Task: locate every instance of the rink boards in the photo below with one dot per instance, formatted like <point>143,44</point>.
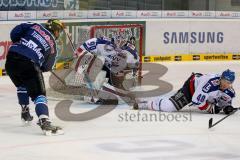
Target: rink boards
<point>163,39</point>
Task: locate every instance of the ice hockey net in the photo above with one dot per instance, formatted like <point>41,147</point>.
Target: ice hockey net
<point>126,30</point>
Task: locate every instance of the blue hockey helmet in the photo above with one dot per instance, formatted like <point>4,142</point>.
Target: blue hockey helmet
<point>228,75</point>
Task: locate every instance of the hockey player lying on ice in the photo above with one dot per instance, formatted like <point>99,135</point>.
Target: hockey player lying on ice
<point>103,58</point>
<point>208,92</point>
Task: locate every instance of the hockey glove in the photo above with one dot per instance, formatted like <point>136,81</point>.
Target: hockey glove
<point>43,69</point>
<point>228,109</point>
<point>214,109</point>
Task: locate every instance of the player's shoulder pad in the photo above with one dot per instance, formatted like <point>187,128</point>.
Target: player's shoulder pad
<point>103,40</point>
<point>211,85</point>
<point>129,46</point>
<point>90,44</point>
<point>28,24</point>
<point>230,92</point>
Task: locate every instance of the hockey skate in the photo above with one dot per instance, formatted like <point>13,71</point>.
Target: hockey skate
<point>135,106</point>
<point>142,105</point>
<point>48,129</point>
<point>25,115</point>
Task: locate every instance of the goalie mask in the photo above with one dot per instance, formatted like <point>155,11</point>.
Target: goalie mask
<point>119,41</point>
<point>110,46</point>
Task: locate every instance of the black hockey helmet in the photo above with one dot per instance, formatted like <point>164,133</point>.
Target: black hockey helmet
<point>54,25</point>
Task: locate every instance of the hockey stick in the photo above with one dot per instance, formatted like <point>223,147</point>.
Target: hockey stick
<point>70,40</point>
<point>62,81</point>
<point>210,122</point>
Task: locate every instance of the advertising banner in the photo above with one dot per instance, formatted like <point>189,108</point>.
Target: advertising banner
<point>21,15</point>
<point>192,57</point>
<point>99,14</point>
<point>49,14</point>
<point>124,14</point>
<point>149,14</point>
<point>69,12</point>
<point>75,14</point>
<point>5,42</point>
<point>174,14</point>
<point>163,40</point>
<point>185,36</point>
<point>202,14</point>
<point>227,14</point>
<point>3,16</point>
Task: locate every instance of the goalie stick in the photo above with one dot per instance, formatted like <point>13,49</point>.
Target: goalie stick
<point>89,82</point>
<point>210,122</point>
<point>62,81</point>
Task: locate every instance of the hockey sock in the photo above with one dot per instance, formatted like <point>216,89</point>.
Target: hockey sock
<point>23,98</point>
<point>41,106</point>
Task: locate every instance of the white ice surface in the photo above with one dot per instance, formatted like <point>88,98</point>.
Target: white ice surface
<point>109,138</point>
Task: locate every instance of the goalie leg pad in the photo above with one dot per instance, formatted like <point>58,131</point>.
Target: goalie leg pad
<point>86,65</point>
<point>94,70</point>
<point>100,80</point>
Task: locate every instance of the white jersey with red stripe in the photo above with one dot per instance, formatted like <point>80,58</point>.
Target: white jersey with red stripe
<point>207,91</point>
<point>100,47</point>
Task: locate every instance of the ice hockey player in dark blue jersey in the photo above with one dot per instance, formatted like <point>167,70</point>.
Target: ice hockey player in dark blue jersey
<point>32,52</point>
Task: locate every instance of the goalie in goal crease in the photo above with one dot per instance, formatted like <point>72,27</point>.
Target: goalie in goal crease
<point>103,64</point>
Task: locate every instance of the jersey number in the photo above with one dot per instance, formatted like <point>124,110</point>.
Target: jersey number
<point>91,45</point>
<point>201,98</point>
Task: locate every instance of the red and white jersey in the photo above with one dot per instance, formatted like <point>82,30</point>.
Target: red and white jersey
<point>99,47</point>
<point>207,90</point>
<point>104,47</point>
